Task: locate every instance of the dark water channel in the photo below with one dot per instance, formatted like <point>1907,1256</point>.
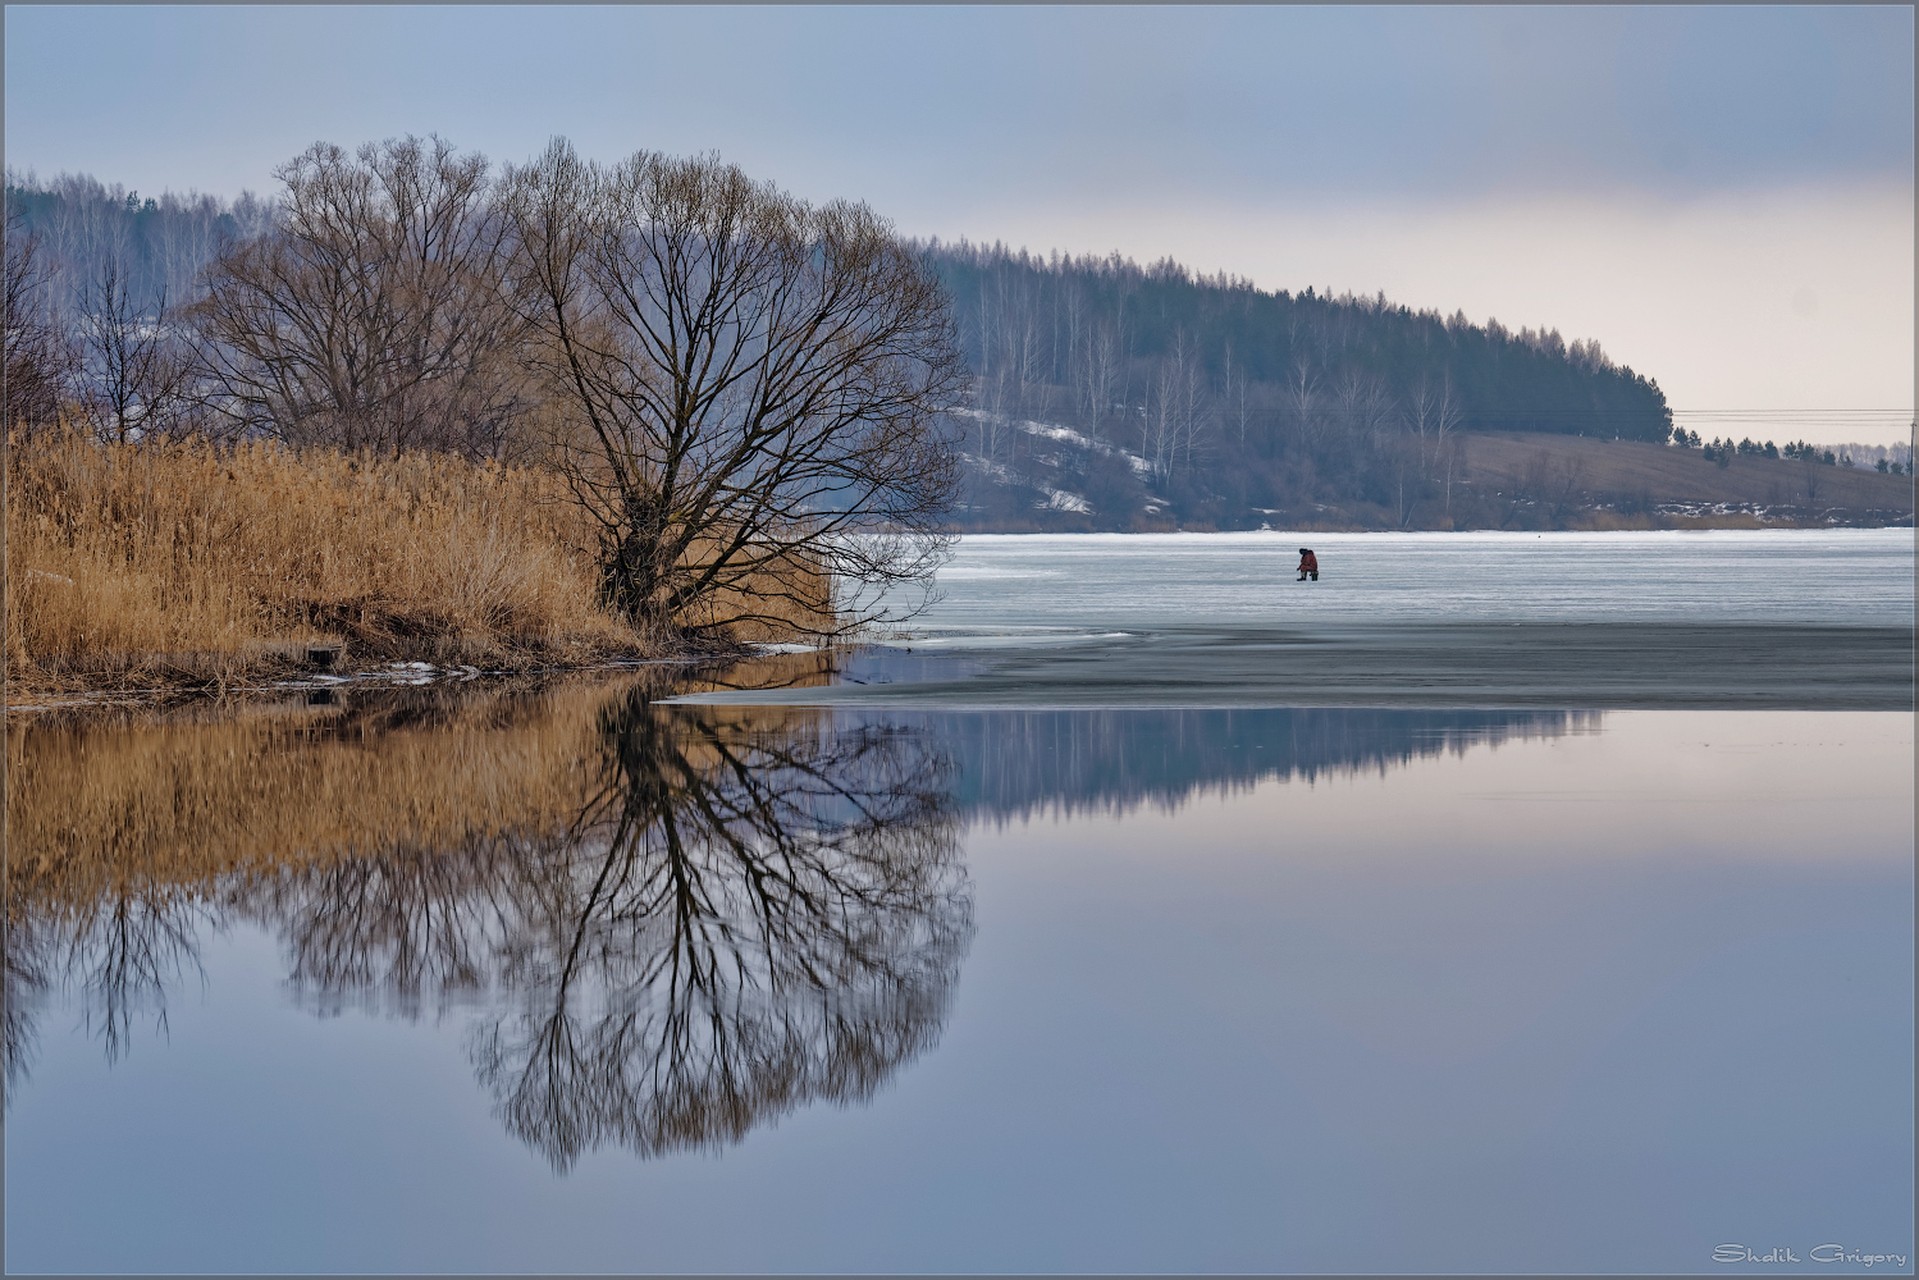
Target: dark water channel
<point>571,978</point>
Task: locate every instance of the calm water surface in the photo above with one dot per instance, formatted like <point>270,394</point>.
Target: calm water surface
<point>583,977</point>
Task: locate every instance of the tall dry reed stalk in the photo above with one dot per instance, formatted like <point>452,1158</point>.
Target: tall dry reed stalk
<point>790,595</point>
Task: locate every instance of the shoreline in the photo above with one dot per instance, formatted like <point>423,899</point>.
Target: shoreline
<point>279,679</point>
<point>1546,664</point>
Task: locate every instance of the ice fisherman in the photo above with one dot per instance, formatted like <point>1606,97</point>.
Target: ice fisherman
<point>1308,565</point>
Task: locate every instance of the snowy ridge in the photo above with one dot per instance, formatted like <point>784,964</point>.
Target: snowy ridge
<point>1064,435</point>
<point>1053,474</point>
<point>1056,499</point>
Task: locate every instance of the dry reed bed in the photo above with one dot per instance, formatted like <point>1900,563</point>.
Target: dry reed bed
<point>135,565</point>
<point>143,566</point>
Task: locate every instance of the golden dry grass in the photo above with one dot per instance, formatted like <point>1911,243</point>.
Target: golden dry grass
<point>788,597</point>
<point>129,562</point>
<point>130,566</point>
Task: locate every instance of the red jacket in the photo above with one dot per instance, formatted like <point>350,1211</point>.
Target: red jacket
<point>1309,563</point>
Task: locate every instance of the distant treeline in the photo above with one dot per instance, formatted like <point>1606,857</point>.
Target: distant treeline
<point>1885,459</point>
<point>1231,396</point>
<point>159,245</point>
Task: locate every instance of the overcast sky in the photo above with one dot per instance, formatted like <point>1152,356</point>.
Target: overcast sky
<point>1723,196</point>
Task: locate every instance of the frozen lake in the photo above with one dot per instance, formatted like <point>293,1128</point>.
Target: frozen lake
<point>1766,619</point>
<point>1009,584</point>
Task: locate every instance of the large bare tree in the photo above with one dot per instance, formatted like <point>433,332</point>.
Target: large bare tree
<point>748,388</point>
<point>369,313</point>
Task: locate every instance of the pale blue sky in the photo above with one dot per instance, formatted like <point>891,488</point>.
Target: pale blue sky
<point>1722,195</point>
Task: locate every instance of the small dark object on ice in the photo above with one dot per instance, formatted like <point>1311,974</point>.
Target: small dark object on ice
<point>1308,565</point>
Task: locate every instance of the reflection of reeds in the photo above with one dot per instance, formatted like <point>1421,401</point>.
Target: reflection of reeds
<point>98,805</point>
<point>96,808</point>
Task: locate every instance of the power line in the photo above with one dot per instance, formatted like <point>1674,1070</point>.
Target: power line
<point>1753,413</point>
<point>1902,415</point>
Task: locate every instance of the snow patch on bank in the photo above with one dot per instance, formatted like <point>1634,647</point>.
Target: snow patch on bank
<point>1061,435</point>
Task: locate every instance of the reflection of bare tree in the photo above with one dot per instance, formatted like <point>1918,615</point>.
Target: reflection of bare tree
<point>742,917</point>
<point>24,970</point>
<point>393,930</point>
<point>126,952</point>
<point>122,951</point>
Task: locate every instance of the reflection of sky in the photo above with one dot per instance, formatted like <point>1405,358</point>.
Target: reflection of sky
<point>1588,1003</point>
<point>1584,1003</point>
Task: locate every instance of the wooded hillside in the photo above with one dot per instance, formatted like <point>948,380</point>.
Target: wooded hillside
<point>1208,401</point>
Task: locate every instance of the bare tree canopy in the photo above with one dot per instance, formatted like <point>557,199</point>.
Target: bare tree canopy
<point>38,357</point>
<point>138,377</point>
<point>747,388</point>
<point>369,315</point>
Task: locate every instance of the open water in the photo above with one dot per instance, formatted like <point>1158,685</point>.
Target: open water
<point>1140,910</point>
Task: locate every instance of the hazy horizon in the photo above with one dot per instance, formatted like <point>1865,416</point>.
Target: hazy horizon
<point>1722,197</point>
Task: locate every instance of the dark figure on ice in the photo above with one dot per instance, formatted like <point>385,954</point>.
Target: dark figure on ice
<point>1308,565</point>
